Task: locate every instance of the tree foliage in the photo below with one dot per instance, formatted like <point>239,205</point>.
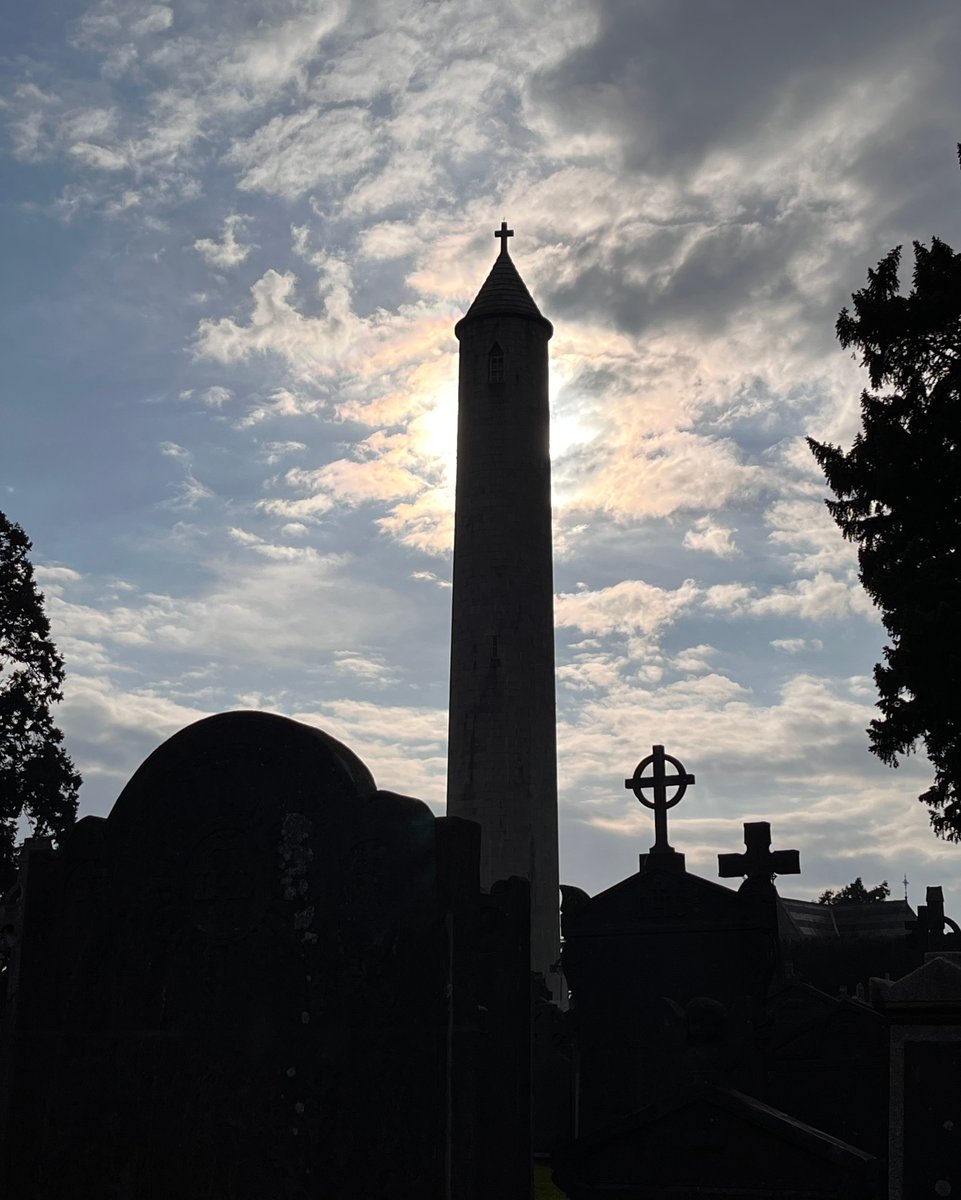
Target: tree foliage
<point>856,893</point>
<point>37,779</point>
<point>898,495</point>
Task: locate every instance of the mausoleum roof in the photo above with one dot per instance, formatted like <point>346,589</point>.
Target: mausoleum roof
<point>806,918</point>
<point>504,294</point>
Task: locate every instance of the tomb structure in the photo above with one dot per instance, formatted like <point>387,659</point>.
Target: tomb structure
<point>701,1067</point>
<point>262,976</point>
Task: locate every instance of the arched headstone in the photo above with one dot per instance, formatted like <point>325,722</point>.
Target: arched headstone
<point>236,985</point>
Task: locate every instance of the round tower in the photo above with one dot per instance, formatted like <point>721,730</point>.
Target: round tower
<point>502,756</point>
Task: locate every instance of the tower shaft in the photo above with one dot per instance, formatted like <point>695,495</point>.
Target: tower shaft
<point>502,764</point>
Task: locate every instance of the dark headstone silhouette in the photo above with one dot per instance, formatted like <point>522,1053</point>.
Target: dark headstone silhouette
<point>240,985</point>
<point>263,976</point>
<point>924,1011</point>
<point>826,1063</point>
<point>552,1073</point>
<point>714,1143</point>
<point>648,948</point>
<point>699,1064</point>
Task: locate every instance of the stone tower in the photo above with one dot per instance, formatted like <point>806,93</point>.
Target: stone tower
<point>502,758</point>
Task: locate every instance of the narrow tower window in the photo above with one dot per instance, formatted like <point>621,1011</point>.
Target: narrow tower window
<point>495,365</point>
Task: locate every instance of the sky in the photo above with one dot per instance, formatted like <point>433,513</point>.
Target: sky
<point>236,238</point>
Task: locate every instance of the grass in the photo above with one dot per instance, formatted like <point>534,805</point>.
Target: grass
<point>544,1189</point>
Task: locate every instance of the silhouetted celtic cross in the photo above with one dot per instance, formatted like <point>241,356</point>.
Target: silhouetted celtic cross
<point>659,782</point>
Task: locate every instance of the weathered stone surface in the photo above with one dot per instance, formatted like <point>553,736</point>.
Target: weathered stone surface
<point>502,759</point>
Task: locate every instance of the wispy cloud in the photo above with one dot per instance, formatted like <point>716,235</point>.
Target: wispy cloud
<point>228,252</point>
<point>278,212</point>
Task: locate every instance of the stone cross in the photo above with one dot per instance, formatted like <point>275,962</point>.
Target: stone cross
<point>659,782</point>
<point>758,862</point>
<point>503,233</point>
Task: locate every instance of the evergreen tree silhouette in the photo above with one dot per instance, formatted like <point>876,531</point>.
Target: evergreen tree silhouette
<point>37,779</point>
<point>898,495</point>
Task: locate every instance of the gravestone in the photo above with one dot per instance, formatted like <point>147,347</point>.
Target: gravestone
<point>502,1096</point>
<point>713,1144</point>
<point>826,1063</point>
<point>924,1011</point>
<point>658,953</point>
<point>239,985</point>
<point>678,1037</point>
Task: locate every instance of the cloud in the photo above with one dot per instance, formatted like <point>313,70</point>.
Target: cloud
<point>228,252</point>
<point>289,155</point>
<point>798,760</point>
<point>357,482</point>
<point>368,670</point>
<point>216,396</point>
<point>307,509</point>
<point>389,240</point>
<point>425,523</point>
<point>728,597</point>
<point>431,577</point>
<point>631,606</point>
<point>385,468</point>
<point>696,190</point>
<point>389,371</point>
<point>282,402</point>
<point>30,118</point>
<point>695,660</point>
<point>823,597</point>
<point>633,476</point>
<point>52,575</point>
<point>635,77</point>
<point>274,452</point>
<point>705,535</point>
<point>814,543</point>
<point>111,728</point>
<point>274,56</point>
<point>323,347</point>
<point>156,19</point>
<point>189,493</point>
<point>103,158</point>
<point>250,610</point>
<point>796,645</point>
<point>405,746</point>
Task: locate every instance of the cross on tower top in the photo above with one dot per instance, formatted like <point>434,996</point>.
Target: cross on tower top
<point>659,782</point>
<point>758,862</point>
<point>503,233</point>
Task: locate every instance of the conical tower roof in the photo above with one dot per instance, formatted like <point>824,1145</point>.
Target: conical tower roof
<point>504,293</point>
